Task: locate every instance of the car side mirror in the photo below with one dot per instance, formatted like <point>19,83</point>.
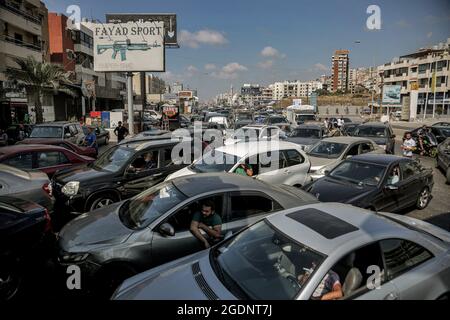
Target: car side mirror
<point>391,187</point>
<point>166,229</point>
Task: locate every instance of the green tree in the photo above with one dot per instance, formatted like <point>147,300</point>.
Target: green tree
<point>38,78</point>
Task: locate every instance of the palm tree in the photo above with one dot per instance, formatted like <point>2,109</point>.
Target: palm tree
<point>37,78</point>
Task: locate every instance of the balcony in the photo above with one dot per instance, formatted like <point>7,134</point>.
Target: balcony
<point>20,49</point>
<point>20,19</point>
<point>83,49</point>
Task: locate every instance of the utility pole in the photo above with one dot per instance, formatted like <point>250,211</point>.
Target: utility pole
<point>130,103</point>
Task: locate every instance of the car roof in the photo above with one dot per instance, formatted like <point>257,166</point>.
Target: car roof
<point>375,124</point>
<point>201,183</point>
<point>381,159</point>
<point>326,227</point>
<point>346,139</point>
<point>55,124</point>
<point>310,126</point>
<point>252,147</point>
<point>139,145</point>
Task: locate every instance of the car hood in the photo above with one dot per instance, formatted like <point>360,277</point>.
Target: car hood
<point>331,190</point>
<point>174,281</point>
<point>302,141</point>
<point>96,228</point>
<point>80,173</point>
<point>317,163</point>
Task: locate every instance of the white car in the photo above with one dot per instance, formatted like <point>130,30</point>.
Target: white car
<point>255,133</point>
<point>153,114</point>
<point>288,163</point>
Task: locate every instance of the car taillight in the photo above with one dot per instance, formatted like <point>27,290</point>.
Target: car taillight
<point>48,219</point>
<point>48,188</point>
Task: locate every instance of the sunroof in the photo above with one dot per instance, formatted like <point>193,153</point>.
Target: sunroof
<point>323,223</point>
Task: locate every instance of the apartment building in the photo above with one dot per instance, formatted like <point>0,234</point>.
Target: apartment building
<point>340,70</point>
<point>154,86</point>
<point>73,49</point>
<point>294,89</point>
<point>362,79</point>
<point>23,33</point>
<point>416,70</point>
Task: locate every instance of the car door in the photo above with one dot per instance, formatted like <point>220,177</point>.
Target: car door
<point>51,161</point>
<point>272,168</point>
<point>183,242</point>
<point>411,268</point>
<point>296,167</point>
<point>247,207</point>
<point>410,185</point>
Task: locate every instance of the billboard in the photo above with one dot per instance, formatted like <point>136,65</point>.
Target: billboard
<point>129,47</point>
<point>185,94</point>
<point>391,94</point>
<point>170,24</point>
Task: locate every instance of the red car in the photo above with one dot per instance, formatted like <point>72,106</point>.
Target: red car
<point>84,151</point>
<point>46,158</point>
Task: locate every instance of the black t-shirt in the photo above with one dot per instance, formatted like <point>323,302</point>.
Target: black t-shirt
<point>121,131</point>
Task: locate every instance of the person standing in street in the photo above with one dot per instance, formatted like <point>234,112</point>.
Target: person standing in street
<point>120,131</point>
<point>91,139</point>
<point>326,123</point>
<point>408,146</point>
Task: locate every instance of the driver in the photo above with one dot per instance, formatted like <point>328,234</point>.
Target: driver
<point>329,288</point>
<point>208,221</point>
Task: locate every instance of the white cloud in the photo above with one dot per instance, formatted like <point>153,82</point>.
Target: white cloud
<point>429,35</point>
<point>207,37</point>
<point>270,52</point>
<point>266,64</point>
<point>321,67</point>
<point>403,24</point>
<point>230,71</point>
<point>192,69</point>
<point>210,66</point>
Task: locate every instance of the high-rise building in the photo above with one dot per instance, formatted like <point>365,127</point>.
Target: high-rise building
<point>294,89</point>
<point>22,34</point>
<point>340,70</point>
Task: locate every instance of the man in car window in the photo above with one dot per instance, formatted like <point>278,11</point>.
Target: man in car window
<point>150,162</point>
<point>208,221</point>
<point>394,177</point>
<point>244,170</point>
<point>329,288</point>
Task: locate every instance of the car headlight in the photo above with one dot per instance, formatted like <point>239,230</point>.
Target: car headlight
<point>71,188</point>
<point>74,257</point>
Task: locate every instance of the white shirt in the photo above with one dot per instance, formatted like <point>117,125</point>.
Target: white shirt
<point>410,143</point>
<point>340,122</point>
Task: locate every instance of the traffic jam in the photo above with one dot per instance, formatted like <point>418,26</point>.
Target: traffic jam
<point>261,210</point>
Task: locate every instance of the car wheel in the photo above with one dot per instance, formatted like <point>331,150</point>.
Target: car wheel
<point>424,199</point>
<point>102,201</point>
<point>10,282</point>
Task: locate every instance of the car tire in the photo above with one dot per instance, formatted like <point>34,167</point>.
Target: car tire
<point>101,201</point>
<point>11,282</point>
<point>423,199</point>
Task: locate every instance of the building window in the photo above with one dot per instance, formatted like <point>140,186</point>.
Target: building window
<point>423,68</point>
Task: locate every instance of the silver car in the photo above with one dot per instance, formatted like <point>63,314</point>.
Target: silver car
<point>32,185</point>
<point>287,256</point>
<point>329,152</point>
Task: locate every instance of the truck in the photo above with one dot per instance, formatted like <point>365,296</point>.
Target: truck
<point>299,114</point>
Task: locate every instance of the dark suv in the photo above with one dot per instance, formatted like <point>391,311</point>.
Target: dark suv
<point>64,130</point>
<point>381,133</point>
<point>119,173</point>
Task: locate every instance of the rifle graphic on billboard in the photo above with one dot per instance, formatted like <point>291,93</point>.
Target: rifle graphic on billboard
<point>123,47</point>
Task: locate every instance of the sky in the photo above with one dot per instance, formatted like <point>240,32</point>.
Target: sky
<point>232,42</point>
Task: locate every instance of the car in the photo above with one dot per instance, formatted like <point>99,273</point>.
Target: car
<point>32,185</point>
<point>71,131</point>
<point>25,234</point>
<point>114,176</point>
<point>286,256</point>
<point>101,134</point>
<point>441,124</point>
<point>80,150</point>
<point>307,135</point>
<point>255,132</point>
<point>279,121</point>
<point>329,152</point>
<point>242,123</point>
<point>443,158</point>
<point>152,228</point>
<point>440,132</point>
<point>381,133</point>
<point>46,158</point>
<point>368,181</point>
<point>275,162</point>
<point>152,114</point>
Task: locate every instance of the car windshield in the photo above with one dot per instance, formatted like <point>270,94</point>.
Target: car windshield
<point>140,211</point>
<point>261,263</point>
<point>114,159</point>
<point>306,133</point>
<point>274,120</point>
<point>215,161</point>
<point>304,118</point>
<point>359,172</point>
<point>326,149</point>
<point>244,116</point>
<point>46,132</point>
<point>371,132</point>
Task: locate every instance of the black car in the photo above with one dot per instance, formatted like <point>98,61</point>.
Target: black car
<point>377,182</point>
<point>25,229</point>
<point>101,134</point>
<point>350,128</point>
<point>121,172</point>
<point>440,132</point>
<point>443,158</point>
<point>381,133</point>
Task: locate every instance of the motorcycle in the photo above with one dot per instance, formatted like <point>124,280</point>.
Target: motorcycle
<point>429,145</point>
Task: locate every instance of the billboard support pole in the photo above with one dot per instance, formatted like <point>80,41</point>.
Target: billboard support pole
<point>130,103</point>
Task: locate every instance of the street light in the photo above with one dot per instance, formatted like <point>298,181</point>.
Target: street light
<point>371,79</point>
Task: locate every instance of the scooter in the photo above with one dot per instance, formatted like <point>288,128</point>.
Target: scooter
<point>429,143</point>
